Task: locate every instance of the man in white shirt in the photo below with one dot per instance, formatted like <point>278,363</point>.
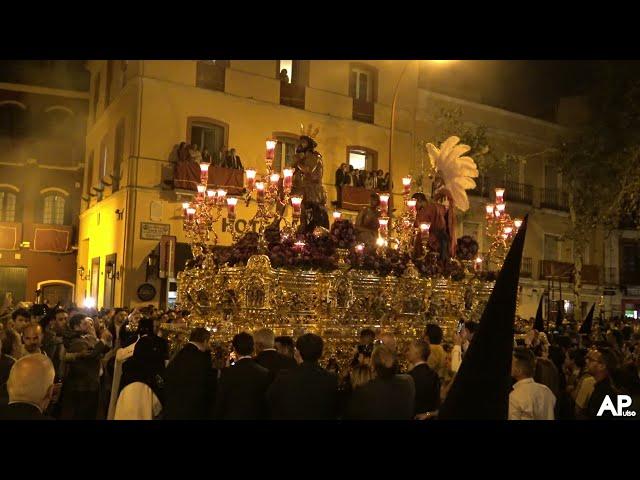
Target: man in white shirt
<point>528,400</point>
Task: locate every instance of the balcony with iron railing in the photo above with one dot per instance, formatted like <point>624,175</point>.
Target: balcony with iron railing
<point>292,95</point>
<point>554,199</point>
<point>483,187</point>
<point>518,192</point>
<point>552,269</point>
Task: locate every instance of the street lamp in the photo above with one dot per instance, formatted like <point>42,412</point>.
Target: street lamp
<point>394,104</point>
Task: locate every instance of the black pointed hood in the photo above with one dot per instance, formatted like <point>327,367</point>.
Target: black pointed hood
<point>560,315</point>
<point>539,323</point>
<point>586,326</point>
<point>481,388</point>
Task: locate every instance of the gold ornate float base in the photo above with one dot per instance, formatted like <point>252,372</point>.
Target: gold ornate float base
<point>336,304</point>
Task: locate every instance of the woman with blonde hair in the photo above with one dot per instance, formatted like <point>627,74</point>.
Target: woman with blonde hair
<point>360,375</point>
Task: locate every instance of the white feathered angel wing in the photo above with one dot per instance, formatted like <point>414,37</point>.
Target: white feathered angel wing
<point>457,171</point>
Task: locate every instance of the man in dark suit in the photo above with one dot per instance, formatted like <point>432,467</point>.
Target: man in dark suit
<point>30,387</point>
<point>307,392</point>
<point>81,388</point>
<point>426,381</point>
<point>190,380</point>
<point>267,356</point>
<point>388,396</point>
<point>242,385</point>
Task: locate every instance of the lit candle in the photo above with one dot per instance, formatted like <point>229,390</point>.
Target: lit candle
<point>360,248</point>
<point>201,189</point>
<point>271,149</point>
<point>406,184</point>
<point>478,264</point>
<point>231,207</point>
<point>260,190</point>
<point>299,245</point>
<point>384,203</point>
<point>222,194</point>
<point>517,222</point>
<point>499,194</point>
<point>381,242</point>
<point>489,208</point>
<point>275,178</point>
<point>296,203</point>
<point>337,215</point>
<point>505,236</point>
<point>288,179</point>
<point>204,172</point>
<point>211,194</point>
<point>501,206</point>
<point>411,204</point>
<point>251,179</point>
<point>191,213</point>
<point>508,230</point>
<point>185,206</point>
<point>424,229</point>
<point>383,223</point>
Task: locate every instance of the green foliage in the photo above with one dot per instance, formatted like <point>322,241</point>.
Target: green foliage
<point>601,163</point>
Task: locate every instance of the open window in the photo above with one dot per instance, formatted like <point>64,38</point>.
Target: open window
<point>362,158</point>
<point>363,88</point>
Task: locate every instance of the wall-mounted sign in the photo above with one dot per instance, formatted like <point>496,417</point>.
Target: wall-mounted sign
<point>153,231</point>
<point>146,292</point>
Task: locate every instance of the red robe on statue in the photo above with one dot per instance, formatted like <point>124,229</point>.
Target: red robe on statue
<point>442,220</point>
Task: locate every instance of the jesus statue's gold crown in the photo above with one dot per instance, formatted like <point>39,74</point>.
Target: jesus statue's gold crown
<point>308,133</point>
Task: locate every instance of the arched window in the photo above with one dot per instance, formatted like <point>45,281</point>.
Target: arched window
<point>59,123</point>
<point>13,120</point>
<point>54,203</point>
<point>7,206</point>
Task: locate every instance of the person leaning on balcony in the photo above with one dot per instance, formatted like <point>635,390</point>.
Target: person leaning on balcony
<point>233,160</point>
<point>284,76</point>
<point>194,154</point>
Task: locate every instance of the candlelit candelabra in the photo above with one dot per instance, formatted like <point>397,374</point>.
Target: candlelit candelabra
<point>500,228</point>
<point>401,233</point>
<point>271,203</point>
<point>201,214</point>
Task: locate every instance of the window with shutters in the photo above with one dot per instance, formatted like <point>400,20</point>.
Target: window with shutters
<point>118,153</point>
<point>630,262</point>
<point>7,206</point>
<point>102,168</point>
<point>96,96</point>
<point>54,209</point>
<point>89,174</point>
<point>363,86</point>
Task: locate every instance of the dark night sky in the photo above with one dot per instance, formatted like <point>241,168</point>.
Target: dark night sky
<point>530,87</point>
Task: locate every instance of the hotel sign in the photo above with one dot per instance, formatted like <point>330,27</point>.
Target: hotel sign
<point>153,231</point>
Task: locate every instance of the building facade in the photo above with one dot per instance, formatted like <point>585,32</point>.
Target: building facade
<point>140,111</point>
<point>43,110</point>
